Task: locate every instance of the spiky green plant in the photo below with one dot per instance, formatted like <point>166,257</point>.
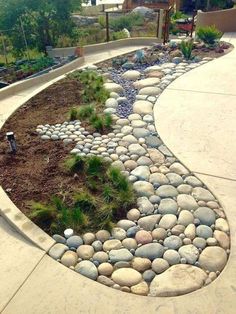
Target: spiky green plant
<point>85,112</point>
<point>186,47</point>
<point>73,114</point>
<point>94,166</point>
<point>108,120</point>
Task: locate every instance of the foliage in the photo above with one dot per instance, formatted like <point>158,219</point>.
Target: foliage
<point>85,112</point>
<point>118,35</point>
<point>178,15</point>
<point>93,89</point>
<point>102,20</point>
<point>56,215</point>
<point>43,21</point>
<point>37,65</point>
<point>106,197</point>
<point>209,34</point>
<point>101,122</point>
<point>128,21</point>
<point>186,49</point>
<point>73,114</point>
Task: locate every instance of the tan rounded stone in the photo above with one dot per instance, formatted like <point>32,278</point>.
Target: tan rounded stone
<point>177,280</point>
<point>159,234</point>
<point>222,239</point>
<point>143,237</point>
<point>85,251</point>
<point>129,243</point>
<point>126,277</point>
<point>133,214</point>
<point>140,289</point>
<point>88,238</point>
<point>113,244</point>
<point>69,258</point>
<point>105,269</point>
<point>213,258</point>
<point>102,235</point>
<point>141,264</point>
<point>222,225</point>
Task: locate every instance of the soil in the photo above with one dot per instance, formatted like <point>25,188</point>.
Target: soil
<point>35,172</point>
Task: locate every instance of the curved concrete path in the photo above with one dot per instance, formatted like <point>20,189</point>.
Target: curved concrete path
<point>32,282</point>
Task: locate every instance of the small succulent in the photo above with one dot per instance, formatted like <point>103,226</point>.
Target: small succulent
<point>139,56</point>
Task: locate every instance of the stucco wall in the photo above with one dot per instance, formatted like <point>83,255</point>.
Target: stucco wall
<point>224,20</point>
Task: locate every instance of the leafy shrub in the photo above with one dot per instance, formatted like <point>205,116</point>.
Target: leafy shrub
<point>186,49</point>
<point>209,34</point>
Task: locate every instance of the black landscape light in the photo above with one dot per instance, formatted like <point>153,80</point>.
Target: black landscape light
<point>12,142</point>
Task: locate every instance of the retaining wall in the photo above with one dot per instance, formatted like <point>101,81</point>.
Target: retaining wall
<point>89,49</point>
<point>44,78</point>
<point>224,20</point>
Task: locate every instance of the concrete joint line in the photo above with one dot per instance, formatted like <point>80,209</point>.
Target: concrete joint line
<point>199,92</point>
<point>24,281</point>
<point>214,176</point>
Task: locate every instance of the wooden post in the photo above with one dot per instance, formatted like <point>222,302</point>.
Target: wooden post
<point>4,48</point>
<point>160,24</point>
<point>192,27</point>
<point>107,27</point>
<point>167,26</point>
<point>25,40</point>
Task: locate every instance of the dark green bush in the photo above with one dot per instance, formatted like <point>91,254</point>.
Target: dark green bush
<point>209,34</point>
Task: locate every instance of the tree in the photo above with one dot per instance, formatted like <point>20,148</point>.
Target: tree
<point>43,21</point>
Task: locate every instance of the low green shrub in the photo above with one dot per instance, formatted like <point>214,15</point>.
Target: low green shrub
<point>104,196</point>
<point>186,47</point>
<point>208,34</point>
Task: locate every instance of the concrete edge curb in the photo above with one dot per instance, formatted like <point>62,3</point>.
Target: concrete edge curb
<point>22,224</point>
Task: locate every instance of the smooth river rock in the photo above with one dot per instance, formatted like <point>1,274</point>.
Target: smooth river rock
<point>177,280</point>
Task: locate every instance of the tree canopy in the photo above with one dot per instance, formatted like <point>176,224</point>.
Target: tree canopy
<point>43,21</point>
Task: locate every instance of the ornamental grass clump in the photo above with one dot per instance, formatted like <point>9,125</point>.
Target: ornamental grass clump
<point>92,86</point>
<point>209,34</point>
<point>103,197</point>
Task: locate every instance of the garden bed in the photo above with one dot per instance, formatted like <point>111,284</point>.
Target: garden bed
<point>175,229</point>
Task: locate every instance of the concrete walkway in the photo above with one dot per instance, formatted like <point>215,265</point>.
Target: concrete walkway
<point>192,123</point>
